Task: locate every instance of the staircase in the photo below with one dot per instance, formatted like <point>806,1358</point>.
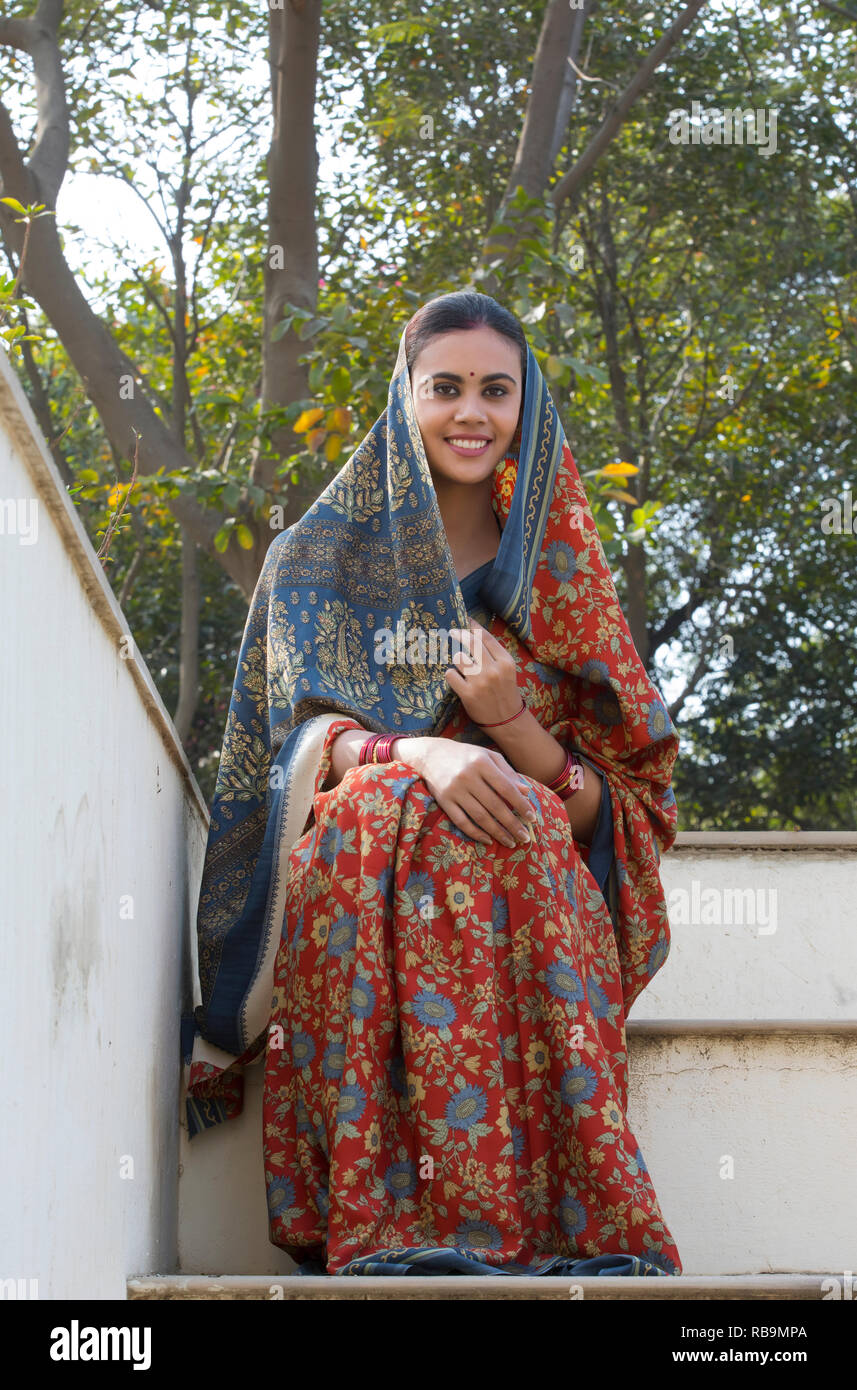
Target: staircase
<point>743,1079</point>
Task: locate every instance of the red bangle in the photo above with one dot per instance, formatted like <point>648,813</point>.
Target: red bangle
<point>498,722</point>
<point>377,748</point>
<point>571,779</point>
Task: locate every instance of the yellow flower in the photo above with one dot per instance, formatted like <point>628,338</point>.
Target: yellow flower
<point>320,928</point>
<point>416,1090</point>
<point>537,1056</point>
<point>349,1178</point>
<point>373,1137</point>
<point>618,1217</point>
<point>595,1156</point>
<point>458,896</point>
<point>612,1115</point>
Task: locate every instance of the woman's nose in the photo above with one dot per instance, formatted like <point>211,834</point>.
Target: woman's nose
<point>470,408</point>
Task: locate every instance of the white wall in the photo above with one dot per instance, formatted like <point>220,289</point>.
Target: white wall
<point>101,820</point>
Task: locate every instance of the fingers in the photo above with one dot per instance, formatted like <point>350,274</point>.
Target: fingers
<point>473,645</point>
<point>505,783</point>
<point>460,818</point>
<point>490,812</point>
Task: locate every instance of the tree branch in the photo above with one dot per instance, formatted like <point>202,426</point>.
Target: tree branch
<point>604,137</point>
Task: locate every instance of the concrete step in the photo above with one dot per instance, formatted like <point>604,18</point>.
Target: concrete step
<point>446,1287</point>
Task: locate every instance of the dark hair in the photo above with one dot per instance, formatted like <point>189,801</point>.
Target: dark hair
<point>462,309</point>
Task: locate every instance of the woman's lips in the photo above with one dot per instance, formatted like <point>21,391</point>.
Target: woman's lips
<point>469,453</point>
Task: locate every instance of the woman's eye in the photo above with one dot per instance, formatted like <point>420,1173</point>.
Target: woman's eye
<point>443,386</point>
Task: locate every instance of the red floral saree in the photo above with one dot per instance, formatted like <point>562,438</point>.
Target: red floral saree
<point>444,1028</point>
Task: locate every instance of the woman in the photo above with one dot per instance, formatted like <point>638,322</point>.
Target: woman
<point>445,1054</point>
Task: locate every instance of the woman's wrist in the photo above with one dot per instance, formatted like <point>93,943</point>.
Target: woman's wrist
<point>344,753</point>
<point>533,751</point>
<point>410,750</point>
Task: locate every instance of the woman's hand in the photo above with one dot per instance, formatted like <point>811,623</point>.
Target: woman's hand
<point>484,676</point>
<point>476,787</point>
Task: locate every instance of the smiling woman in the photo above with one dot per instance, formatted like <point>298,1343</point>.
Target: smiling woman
<point>450,967</point>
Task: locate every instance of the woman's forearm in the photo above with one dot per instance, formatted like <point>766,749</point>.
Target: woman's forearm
<point>344,753</point>
<point>528,747</point>
<point>537,754</point>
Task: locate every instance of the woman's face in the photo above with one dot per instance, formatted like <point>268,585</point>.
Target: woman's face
<point>466,386</point>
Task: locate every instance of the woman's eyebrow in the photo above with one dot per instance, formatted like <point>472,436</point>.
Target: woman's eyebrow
<point>492,376</point>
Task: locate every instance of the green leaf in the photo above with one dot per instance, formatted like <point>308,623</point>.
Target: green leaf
<point>245,536</point>
<point>340,385</point>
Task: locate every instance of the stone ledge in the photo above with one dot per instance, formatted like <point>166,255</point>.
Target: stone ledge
<point>732,1027</point>
<point>482,1287</point>
<point>764,839</point>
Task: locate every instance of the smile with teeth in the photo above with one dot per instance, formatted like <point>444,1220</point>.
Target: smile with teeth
<point>472,446</point>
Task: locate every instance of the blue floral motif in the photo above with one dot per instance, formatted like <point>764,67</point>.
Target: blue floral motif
<point>434,1010</point>
<point>331,844</point>
<point>298,932</point>
<point>352,1103</point>
<point>303,1049</point>
<point>639,1160</point>
<point>305,853</point>
<point>466,1108</point>
<point>595,671</point>
<point>322,1202</point>
<point>333,1061</point>
<point>304,1124</point>
<point>563,981</point>
<point>570,890</point>
<point>517,1141</point>
<point>664,1261</point>
<point>420,886</point>
<point>561,560</point>
<point>386,880</point>
<point>668,798</point>
<point>607,710</point>
<point>572,1216</point>
<point>658,722</point>
<point>548,675</point>
<point>658,955</point>
<point>342,935</point>
<point>499,913</point>
<point>578,1084</point>
<point>281,1196</point>
<point>362,998</point>
<point>398,1075</point>
<point>400,1180</point>
<point>480,1234</point>
<point>598,1001</point>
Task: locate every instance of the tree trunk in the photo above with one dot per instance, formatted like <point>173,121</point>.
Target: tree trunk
<point>189,649</point>
<point>291,261</point>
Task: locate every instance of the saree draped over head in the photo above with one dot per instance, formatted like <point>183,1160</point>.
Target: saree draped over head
<point>442,1022</point>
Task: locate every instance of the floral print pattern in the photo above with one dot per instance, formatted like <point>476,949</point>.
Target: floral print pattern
<point>456,1074</point>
